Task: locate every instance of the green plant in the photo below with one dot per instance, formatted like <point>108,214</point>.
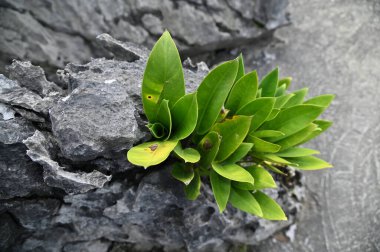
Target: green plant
<point>232,130</point>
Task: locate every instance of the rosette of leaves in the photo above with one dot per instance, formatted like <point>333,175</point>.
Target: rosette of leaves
<point>232,130</point>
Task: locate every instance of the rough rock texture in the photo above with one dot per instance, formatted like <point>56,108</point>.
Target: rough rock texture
<point>52,33</point>
<point>65,185</point>
<point>334,47</point>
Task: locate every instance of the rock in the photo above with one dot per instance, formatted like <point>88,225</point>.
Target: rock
<point>42,149</point>
<point>53,33</point>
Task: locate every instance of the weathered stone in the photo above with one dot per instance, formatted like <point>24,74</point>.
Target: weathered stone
<point>42,149</point>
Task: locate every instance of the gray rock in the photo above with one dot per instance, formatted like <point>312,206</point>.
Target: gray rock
<point>42,150</point>
<point>6,112</point>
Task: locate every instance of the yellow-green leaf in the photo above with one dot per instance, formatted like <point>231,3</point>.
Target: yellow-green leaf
<point>297,152</point>
<point>270,209</point>
<point>267,133</point>
<point>309,163</point>
<point>233,172</point>
<point>208,148</point>
<point>183,173</point>
<point>184,116</point>
<point>259,109</point>
<point>260,145</point>
<point>263,179</point>
<point>323,125</point>
<point>239,153</point>
<point>322,100</point>
<point>245,201</point>
<point>298,97</point>
<point>157,130</point>
<point>285,81</point>
<point>164,117</point>
<point>282,100</point>
<point>150,153</point>
<point>221,188</point>
<point>233,131</point>
<point>192,190</point>
<point>269,83</point>
<point>213,92</point>
<point>243,92</point>
<point>163,76</point>
<point>189,155</point>
<point>297,138</point>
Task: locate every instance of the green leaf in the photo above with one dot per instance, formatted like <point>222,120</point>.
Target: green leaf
<point>233,172</point>
<point>271,158</point>
<point>297,152</point>
<point>285,81</point>
<point>157,130</point>
<point>323,125</point>
<point>213,92</point>
<point>150,153</point>
<point>243,92</point>
<point>309,163</point>
<point>209,147</point>
<point>233,131</point>
<point>274,169</point>
<point>263,179</point>
<point>163,76</point>
<point>322,100</point>
<point>273,114</point>
<point>164,117</point>
<point>241,71</point>
<point>245,201</point>
<point>282,100</point>
<point>293,119</point>
<point>271,210</point>
<point>239,153</point>
<point>269,83</point>
<point>192,190</point>
<point>298,97</point>
<point>183,173</point>
<point>259,109</point>
<point>267,133</point>
<point>222,115</point>
<point>281,90</point>
<point>260,145</point>
<point>184,116</point>
<point>296,138</point>
<point>189,155</point>
<point>221,188</point>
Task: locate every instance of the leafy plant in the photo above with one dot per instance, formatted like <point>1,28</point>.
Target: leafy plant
<point>232,130</point>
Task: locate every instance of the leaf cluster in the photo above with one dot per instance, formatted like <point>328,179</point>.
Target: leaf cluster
<point>233,129</point>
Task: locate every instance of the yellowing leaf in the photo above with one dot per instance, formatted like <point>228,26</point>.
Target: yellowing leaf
<point>163,76</point>
<point>213,92</point>
<point>150,153</point>
<point>233,172</point>
<point>221,188</point>
<point>270,209</point>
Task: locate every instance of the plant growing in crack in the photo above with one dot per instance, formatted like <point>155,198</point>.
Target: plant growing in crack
<point>233,129</point>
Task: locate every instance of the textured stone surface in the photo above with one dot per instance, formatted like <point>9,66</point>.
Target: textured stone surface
<point>334,47</point>
<point>52,33</point>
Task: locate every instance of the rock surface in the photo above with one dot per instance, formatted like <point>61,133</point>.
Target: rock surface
<point>53,33</point>
<point>65,183</point>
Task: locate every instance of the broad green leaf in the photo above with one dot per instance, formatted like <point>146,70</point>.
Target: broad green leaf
<point>296,138</point>
<point>157,130</point>
<point>208,148</point>
<point>297,152</point>
<point>259,109</point>
<point>271,158</point>
<point>241,71</point>
<point>233,131</point>
<point>150,153</point>
<point>184,116</point>
<point>239,153</point>
<point>282,100</point>
<point>309,163</point>
<point>293,119</point>
<point>269,83</point>
<point>213,92</point>
<point>298,98</point>
<point>271,210</point>
<point>323,125</point>
<point>267,133</point>
<point>221,188</point>
<point>164,117</point>
<point>260,145</point>
<point>245,201</point>
<point>233,172</point>
<point>163,76</point>
<point>281,90</point>
<point>322,100</point>
<point>243,92</point>
<point>263,179</point>
<point>189,155</point>
<point>287,81</point>
<point>273,114</point>
<point>192,190</point>
<point>183,173</point>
